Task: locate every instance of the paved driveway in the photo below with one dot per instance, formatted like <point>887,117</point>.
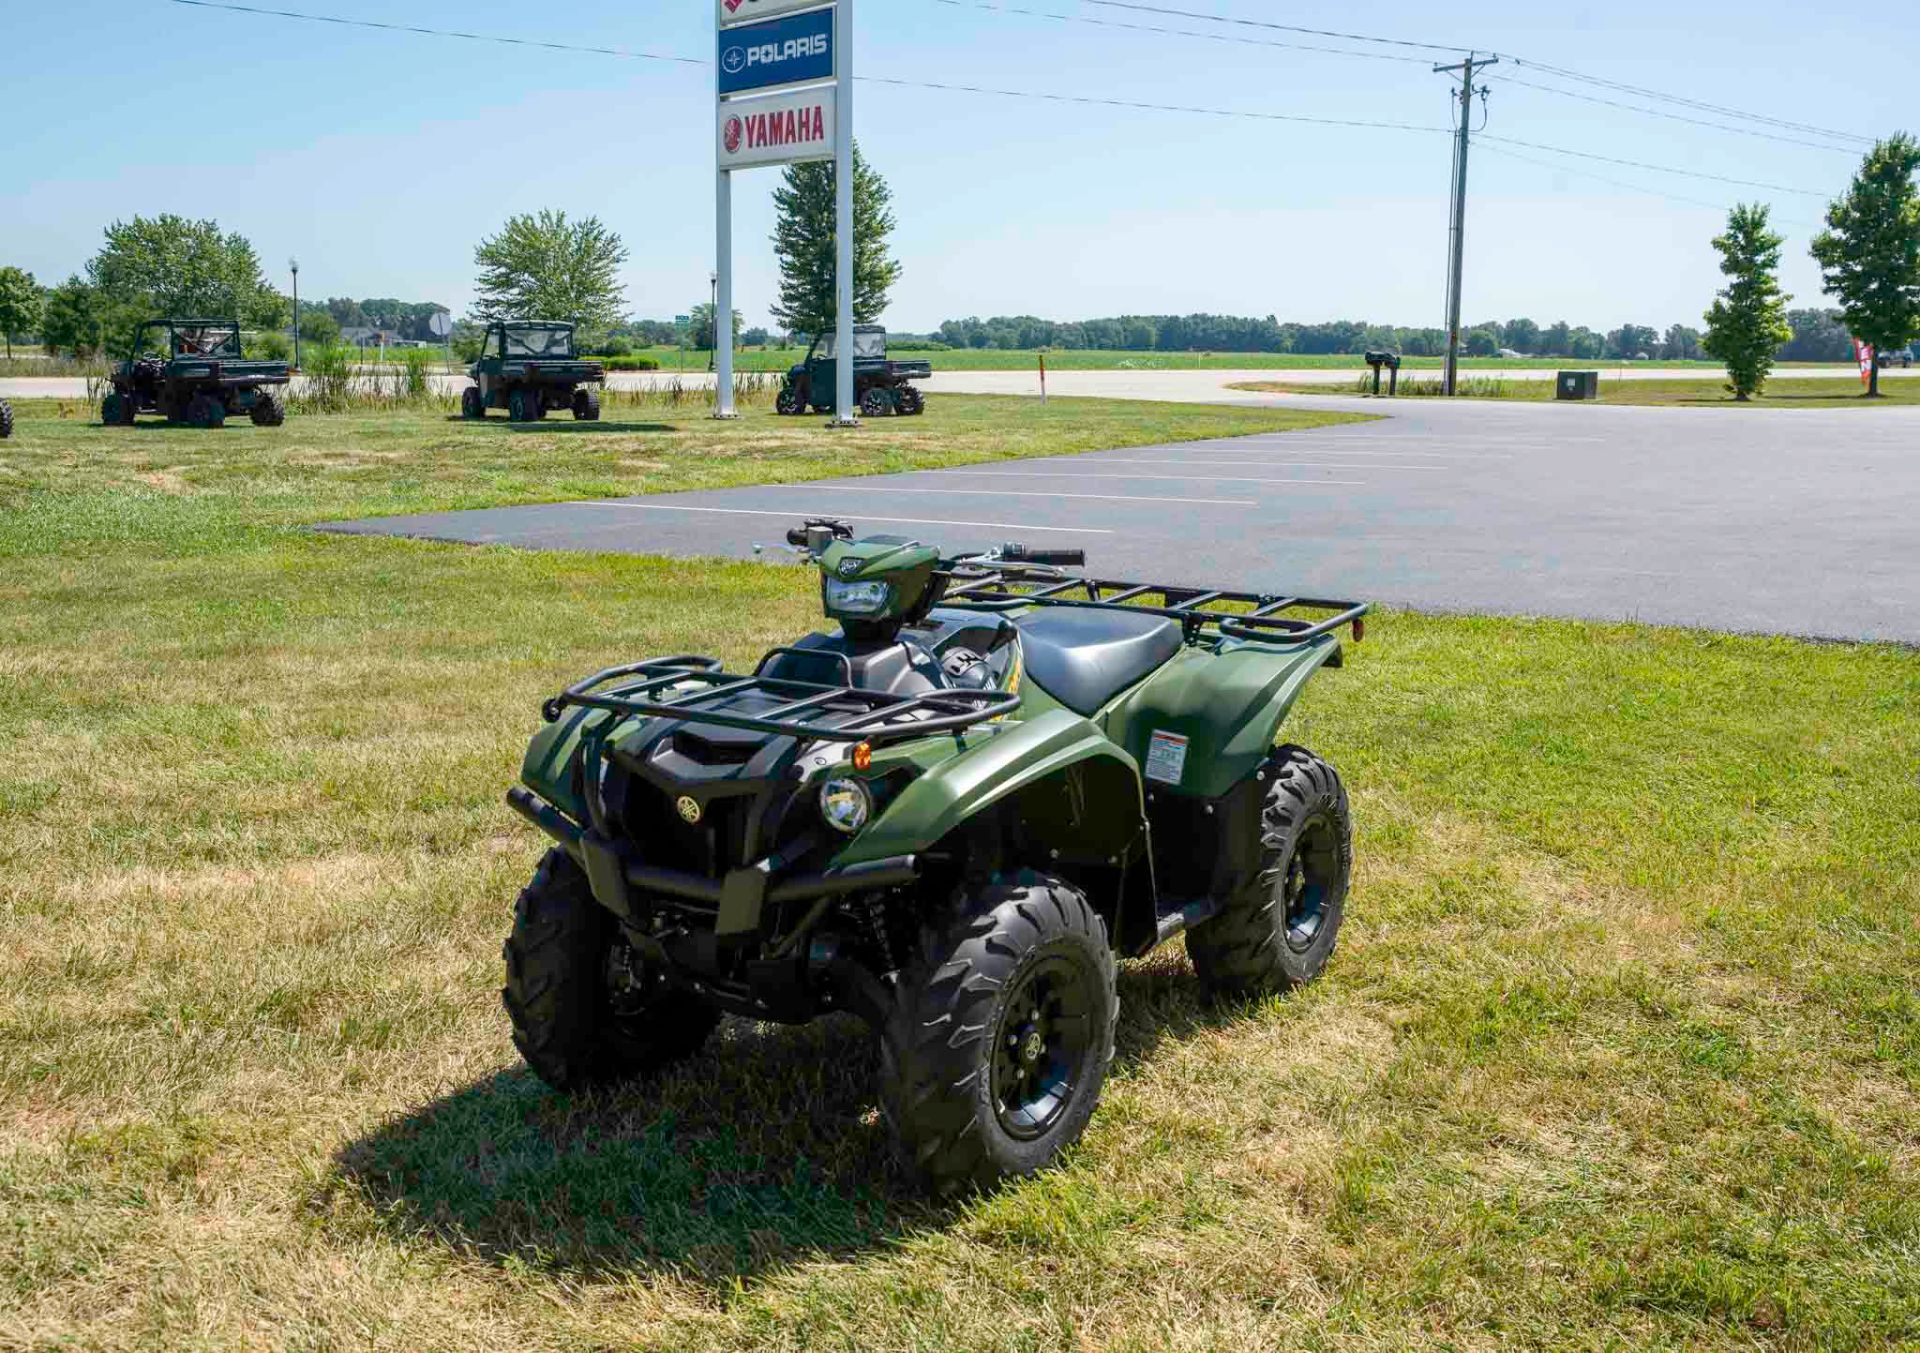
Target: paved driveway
<point>1792,522</point>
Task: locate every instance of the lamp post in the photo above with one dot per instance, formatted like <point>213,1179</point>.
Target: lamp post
<point>294,263</point>
<point>713,291</point>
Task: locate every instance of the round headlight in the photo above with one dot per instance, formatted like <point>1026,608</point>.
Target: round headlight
<point>845,804</point>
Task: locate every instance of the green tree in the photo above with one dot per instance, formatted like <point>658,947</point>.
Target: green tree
<point>1869,254</point>
<point>1748,321</point>
<point>74,320</point>
<point>803,241</point>
<point>701,326</point>
<point>169,265</point>
<point>318,327</point>
<point>547,267</point>
<point>1682,343</point>
<point>20,304</point>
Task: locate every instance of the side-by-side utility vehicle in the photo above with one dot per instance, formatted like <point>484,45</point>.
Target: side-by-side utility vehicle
<point>948,817</point>
<point>193,371</point>
<point>528,367</point>
<point>880,384</point>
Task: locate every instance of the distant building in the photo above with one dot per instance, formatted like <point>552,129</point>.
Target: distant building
<point>365,336</point>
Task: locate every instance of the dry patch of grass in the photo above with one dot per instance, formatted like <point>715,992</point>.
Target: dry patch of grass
<point>1620,1048</point>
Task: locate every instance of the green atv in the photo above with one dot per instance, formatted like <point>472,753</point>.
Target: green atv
<point>880,384</point>
<point>193,371</point>
<point>948,818</point>
<point>528,367</point>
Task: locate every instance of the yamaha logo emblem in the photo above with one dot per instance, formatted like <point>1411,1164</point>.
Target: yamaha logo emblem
<point>732,135</point>
<point>689,808</point>
<point>849,567</point>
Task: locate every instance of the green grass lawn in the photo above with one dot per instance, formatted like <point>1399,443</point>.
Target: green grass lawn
<point>1621,1046</point>
<point>1786,392</point>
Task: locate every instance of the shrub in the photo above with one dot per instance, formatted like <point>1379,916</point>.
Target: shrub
<point>616,363</point>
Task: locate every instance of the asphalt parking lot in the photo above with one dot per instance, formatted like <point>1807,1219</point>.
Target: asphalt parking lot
<point>1804,522</point>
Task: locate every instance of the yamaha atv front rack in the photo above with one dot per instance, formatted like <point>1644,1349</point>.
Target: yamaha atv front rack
<point>687,686</point>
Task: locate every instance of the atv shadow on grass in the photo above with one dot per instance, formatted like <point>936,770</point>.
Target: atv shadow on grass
<point>561,427</point>
<point>763,1151</point>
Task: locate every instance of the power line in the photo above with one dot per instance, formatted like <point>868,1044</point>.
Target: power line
<point>1234,38</point>
<point>1675,117</point>
<point>445,32</point>
<point>1044,95</point>
<point>1620,183</point>
<point>1450,48</point>
<point>1681,100</point>
<point>1656,168</point>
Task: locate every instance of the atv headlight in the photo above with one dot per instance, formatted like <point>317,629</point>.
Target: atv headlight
<point>845,804</point>
<point>860,598</point>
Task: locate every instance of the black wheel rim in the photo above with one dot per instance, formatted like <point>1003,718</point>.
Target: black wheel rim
<point>1039,1046</point>
<point>1306,887</point>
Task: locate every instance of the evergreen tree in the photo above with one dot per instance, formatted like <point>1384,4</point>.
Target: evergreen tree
<point>1748,321</point>
<point>803,241</point>
<point>1869,254</point>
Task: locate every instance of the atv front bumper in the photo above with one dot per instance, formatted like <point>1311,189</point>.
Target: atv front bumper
<point>621,883</point>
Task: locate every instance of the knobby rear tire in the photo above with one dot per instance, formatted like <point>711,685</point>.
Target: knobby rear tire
<point>1246,949</point>
<point>937,1051</point>
<point>558,997</point>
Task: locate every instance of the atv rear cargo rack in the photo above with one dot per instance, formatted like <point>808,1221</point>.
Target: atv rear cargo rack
<point>685,687</point>
<point>1266,619</point>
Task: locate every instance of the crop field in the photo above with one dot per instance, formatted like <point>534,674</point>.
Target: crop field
<point>1026,359</point>
<point>1784,392</point>
<point>1621,1046</point>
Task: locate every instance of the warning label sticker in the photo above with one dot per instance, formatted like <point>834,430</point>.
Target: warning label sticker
<point>1166,757</point>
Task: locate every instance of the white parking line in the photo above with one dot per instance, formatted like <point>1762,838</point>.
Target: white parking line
<point>788,514</point>
<point>1013,493</point>
<point>1176,478</point>
<point>1255,460</point>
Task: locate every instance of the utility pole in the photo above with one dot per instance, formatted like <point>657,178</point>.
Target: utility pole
<point>294,263</point>
<point>713,283</point>
<point>1457,242</point>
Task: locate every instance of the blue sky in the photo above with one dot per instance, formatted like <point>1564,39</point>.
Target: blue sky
<point>379,159</point>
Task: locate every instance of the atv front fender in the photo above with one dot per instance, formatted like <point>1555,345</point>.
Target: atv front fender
<point>553,758</point>
<point>1227,705</point>
<point>1098,810</point>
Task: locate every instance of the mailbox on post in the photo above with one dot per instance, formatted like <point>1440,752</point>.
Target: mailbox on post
<point>1390,361</point>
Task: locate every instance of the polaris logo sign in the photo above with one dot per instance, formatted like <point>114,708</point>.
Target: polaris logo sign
<point>777,52</point>
<point>778,129</point>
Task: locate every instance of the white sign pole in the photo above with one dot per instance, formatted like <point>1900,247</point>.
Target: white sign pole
<point>843,410</point>
<point>723,272</point>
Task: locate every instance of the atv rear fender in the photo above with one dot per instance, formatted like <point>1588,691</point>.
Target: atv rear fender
<point>1075,792</point>
<point>1227,704</point>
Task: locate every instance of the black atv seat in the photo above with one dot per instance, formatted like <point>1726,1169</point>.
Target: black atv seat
<point>1084,657</point>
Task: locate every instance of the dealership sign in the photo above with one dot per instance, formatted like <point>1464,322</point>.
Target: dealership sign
<point>778,129</point>
<point>777,52</point>
<point>747,11</point>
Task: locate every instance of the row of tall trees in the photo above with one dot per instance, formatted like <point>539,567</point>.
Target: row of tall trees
<point>1869,257</point>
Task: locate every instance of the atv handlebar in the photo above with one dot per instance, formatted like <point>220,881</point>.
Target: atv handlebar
<point>1019,554</point>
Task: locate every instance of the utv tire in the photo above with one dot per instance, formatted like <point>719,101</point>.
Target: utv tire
<point>269,410</point>
<point>520,406</point>
<point>6,419</point>
<point>470,405</point>
<point>204,411</point>
<point>790,400</point>
<point>113,411</point>
<point>876,402</point>
<point>994,1057</point>
<point>912,401</point>
<point>586,406</point>
<point>570,1024</point>
<point>1278,931</point>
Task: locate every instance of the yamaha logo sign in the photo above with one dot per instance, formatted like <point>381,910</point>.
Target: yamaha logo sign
<point>747,11</point>
<point>777,129</point>
<point>782,51</point>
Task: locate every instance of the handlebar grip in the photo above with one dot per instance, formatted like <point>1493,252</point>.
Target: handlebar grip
<point>1020,554</point>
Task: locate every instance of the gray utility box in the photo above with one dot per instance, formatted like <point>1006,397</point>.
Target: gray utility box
<point>1577,385</point>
